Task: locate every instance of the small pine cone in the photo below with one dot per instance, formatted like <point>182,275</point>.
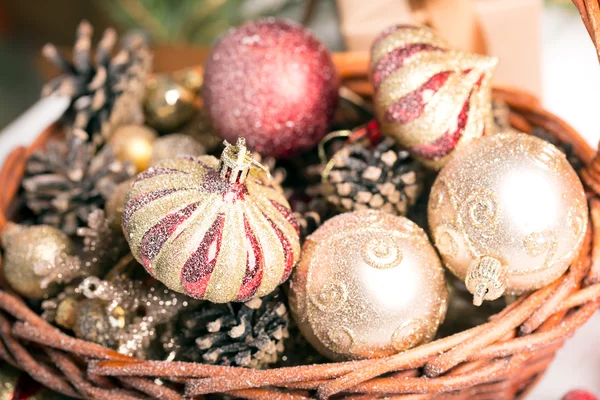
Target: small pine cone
<point>68,180</point>
<point>383,177</point>
<point>310,207</point>
<point>105,90</point>
<point>250,334</point>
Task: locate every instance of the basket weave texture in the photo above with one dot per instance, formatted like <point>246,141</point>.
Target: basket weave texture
<point>501,359</point>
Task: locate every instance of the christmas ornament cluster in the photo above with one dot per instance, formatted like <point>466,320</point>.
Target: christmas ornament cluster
<point>234,216</point>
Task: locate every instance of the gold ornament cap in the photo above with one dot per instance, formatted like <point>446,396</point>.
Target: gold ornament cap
<point>487,280</point>
<point>236,161</point>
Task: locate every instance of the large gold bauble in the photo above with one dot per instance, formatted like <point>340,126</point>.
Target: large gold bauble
<point>134,143</point>
<point>508,214</point>
<point>28,246</point>
<point>368,284</point>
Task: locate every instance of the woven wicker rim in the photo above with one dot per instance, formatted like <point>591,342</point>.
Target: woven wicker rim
<point>502,358</point>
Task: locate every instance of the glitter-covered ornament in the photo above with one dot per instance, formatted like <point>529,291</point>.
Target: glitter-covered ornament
<point>168,104</point>
<point>217,230</point>
<point>175,145</point>
<point>272,82</point>
<point>134,143</point>
<point>508,214</point>
<point>429,97</point>
<point>27,247</point>
<point>368,284</point>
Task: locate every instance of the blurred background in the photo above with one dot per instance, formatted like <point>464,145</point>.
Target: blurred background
<point>542,45</point>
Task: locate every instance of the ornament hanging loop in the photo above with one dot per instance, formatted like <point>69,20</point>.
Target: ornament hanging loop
<point>236,161</point>
<point>487,280</point>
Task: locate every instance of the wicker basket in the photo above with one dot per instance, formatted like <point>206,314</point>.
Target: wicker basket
<point>501,359</point>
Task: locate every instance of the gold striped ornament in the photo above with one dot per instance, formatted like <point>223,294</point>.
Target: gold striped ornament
<point>217,230</point>
<point>430,97</point>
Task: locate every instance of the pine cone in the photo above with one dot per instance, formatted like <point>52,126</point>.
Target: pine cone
<point>382,178</point>
<point>69,180</point>
<point>105,92</point>
<point>565,147</point>
<point>247,335</point>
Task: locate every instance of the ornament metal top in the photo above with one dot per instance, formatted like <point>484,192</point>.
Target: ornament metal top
<point>429,97</point>
<point>217,230</point>
<point>508,214</point>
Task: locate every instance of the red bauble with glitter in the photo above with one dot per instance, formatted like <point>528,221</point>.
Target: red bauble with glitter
<point>579,395</point>
<point>217,230</point>
<point>273,83</point>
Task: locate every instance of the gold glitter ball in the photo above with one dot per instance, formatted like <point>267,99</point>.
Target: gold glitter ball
<point>508,214</point>
<point>431,98</point>
<point>168,104</point>
<point>134,143</point>
<point>28,246</point>
<point>175,145</point>
<point>368,284</point>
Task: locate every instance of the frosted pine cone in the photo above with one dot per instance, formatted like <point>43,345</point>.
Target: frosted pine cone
<point>105,90</point>
<point>250,334</point>
<point>380,178</point>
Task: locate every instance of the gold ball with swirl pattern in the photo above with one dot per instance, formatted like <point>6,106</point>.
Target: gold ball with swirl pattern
<point>368,284</point>
<point>508,214</point>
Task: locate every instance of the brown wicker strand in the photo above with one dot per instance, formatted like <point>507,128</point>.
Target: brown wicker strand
<point>590,14</point>
<point>58,340</point>
<point>76,377</point>
<point>35,369</point>
<point>150,388</point>
<point>594,272</point>
<point>568,285</point>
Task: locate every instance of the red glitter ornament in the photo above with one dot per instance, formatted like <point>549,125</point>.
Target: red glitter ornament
<point>272,82</point>
<point>217,230</point>
<point>579,395</point>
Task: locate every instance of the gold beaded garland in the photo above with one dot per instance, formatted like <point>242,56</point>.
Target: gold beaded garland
<point>368,284</point>
<point>508,214</point>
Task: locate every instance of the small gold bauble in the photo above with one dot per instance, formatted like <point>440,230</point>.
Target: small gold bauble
<point>508,214</point>
<point>65,312</point>
<point>368,284</point>
<point>28,246</point>
<point>168,105</point>
<point>115,204</point>
<point>175,145</point>
<point>134,143</point>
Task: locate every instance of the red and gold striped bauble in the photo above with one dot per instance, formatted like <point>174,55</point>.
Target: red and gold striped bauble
<point>431,98</point>
<point>216,230</point>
